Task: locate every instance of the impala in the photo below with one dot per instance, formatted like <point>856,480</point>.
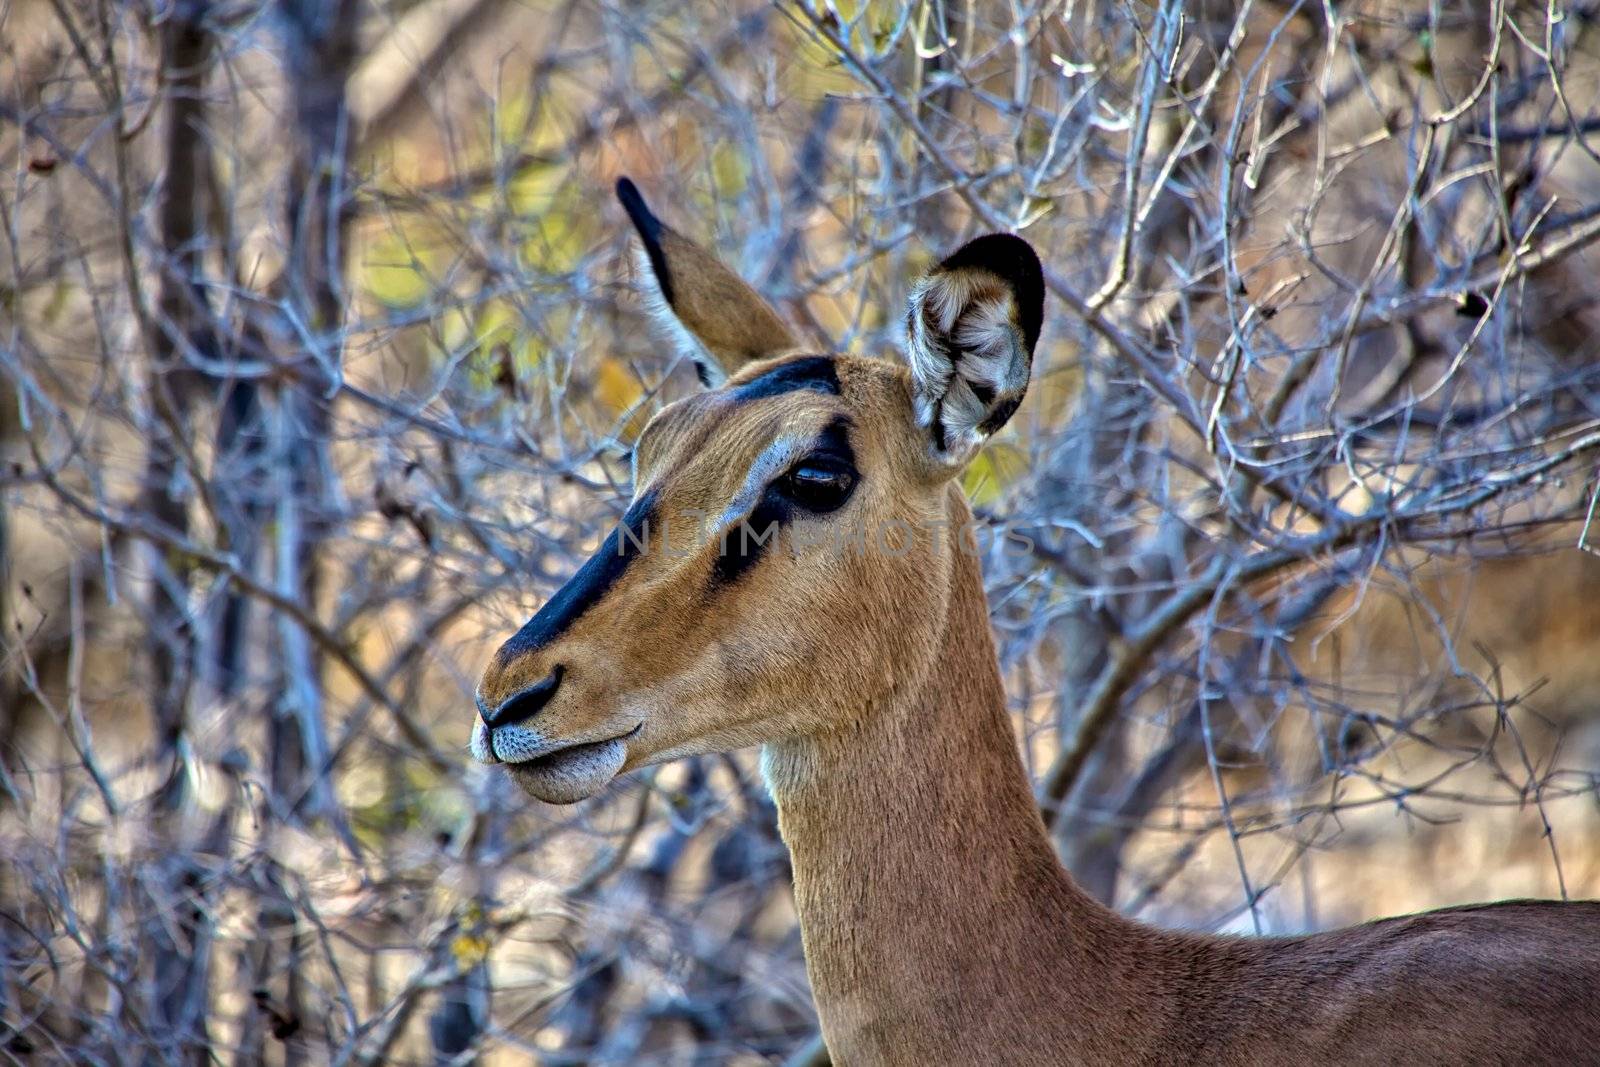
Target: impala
<point>939,927</point>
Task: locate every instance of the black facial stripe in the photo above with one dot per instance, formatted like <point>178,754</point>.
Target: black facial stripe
<point>816,373</point>
<point>649,228</point>
<point>746,541</point>
<point>586,588</point>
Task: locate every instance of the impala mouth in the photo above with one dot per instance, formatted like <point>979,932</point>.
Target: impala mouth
<point>573,772</point>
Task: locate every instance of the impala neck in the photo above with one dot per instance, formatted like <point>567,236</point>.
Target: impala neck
<point>930,897</point>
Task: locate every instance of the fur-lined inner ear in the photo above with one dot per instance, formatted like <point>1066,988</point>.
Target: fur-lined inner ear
<point>973,324</point>
<point>701,307</point>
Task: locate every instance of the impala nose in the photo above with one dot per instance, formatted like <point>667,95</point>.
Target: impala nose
<point>526,704</point>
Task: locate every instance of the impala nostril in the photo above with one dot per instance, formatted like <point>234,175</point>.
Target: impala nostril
<point>526,704</point>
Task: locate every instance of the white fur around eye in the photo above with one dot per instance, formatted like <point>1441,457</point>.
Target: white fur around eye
<point>778,455</point>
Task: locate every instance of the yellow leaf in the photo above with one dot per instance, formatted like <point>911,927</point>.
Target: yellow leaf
<point>392,274</point>
<point>470,950</point>
<point>616,386</point>
<point>993,469</point>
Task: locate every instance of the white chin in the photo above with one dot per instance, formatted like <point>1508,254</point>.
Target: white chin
<point>572,774</point>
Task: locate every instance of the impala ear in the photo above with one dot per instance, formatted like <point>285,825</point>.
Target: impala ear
<point>972,326</point>
<point>704,308</point>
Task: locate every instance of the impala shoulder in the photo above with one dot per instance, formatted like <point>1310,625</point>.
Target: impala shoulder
<point>1513,961</point>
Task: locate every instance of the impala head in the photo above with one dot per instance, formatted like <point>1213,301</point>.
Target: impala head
<point>785,562</point>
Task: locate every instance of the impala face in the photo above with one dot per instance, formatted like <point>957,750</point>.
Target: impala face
<point>784,560</point>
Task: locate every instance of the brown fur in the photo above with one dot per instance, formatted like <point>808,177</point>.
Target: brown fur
<point>939,926</point>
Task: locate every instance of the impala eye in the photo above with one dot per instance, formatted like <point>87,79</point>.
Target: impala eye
<point>818,485</point>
